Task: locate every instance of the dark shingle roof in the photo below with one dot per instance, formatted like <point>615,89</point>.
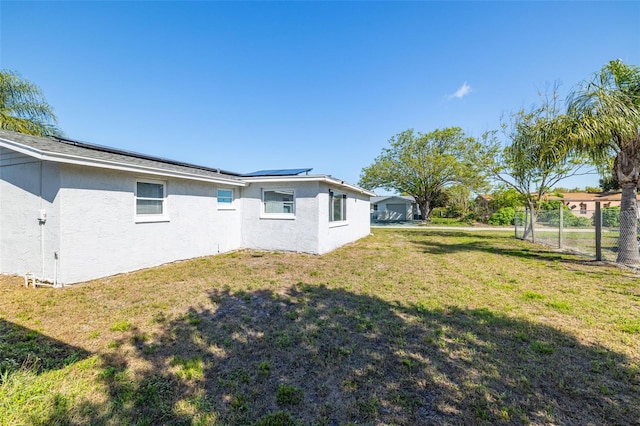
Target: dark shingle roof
<point>70,148</point>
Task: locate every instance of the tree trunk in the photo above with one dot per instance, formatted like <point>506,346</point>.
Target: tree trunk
<point>529,223</point>
<point>425,208</point>
<point>628,240</point>
<point>627,168</point>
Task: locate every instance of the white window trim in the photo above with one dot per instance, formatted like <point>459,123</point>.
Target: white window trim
<point>285,216</point>
<point>226,206</point>
<point>148,218</point>
<point>337,224</point>
<point>343,222</point>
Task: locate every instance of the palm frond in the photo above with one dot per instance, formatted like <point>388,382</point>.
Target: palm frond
<point>23,108</point>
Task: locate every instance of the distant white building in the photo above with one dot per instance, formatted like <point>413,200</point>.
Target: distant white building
<point>394,208</point>
<point>71,211</point>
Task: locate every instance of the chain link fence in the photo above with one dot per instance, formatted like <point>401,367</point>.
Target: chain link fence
<point>594,233</point>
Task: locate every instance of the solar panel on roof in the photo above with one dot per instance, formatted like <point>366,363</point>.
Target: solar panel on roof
<point>118,151</point>
<point>278,172</point>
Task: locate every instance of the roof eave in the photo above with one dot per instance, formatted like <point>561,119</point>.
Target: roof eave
<point>309,178</point>
<point>113,165</point>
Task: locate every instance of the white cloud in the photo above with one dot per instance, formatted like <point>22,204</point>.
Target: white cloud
<point>463,91</point>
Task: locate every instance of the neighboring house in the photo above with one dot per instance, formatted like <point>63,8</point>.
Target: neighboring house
<point>394,208</point>
<point>71,211</point>
<point>583,204</point>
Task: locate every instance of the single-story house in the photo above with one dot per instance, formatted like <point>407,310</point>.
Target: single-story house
<point>394,208</point>
<point>583,204</point>
<point>72,211</point>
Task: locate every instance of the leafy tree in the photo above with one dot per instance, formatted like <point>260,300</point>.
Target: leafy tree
<point>425,164</point>
<point>609,184</point>
<point>593,189</point>
<point>505,197</point>
<point>534,158</point>
<point>441,199</point>
<point>23,108</point>
<point>606,121</point>
<point>457,200</point>
<point>590,189</point>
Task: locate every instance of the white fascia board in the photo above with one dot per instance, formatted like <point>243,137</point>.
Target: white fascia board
<point>344,184</point>
<point>113,165</point>
<point>22,149</point>
<point>308,178</point>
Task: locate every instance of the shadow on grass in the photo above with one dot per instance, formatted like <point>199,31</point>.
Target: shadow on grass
<point>25,356</point>
<point>23,347</point>
<point>322,356</point>
<point>484,242</point>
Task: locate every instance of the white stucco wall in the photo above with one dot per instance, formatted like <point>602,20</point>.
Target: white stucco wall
<point>298,233</point>
<point>310,230</point>
<point>101,237</point>
<point>383,212</point>
<point>91,229</point>
<point>332,235</point>
<point>28,186</point>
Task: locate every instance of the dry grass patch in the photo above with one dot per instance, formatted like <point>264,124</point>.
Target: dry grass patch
<point>403,327</point>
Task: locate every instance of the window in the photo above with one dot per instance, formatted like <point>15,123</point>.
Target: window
<point>337,207</point>
<point>279,202</point>
<point>583,208</point>
<point>150,198</point>
<point>225,198</point>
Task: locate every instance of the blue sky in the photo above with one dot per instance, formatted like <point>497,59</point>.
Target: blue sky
<point>264,85</point>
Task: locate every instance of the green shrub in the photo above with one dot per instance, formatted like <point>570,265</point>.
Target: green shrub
<point>439,212</point>
<point>470,217</point>
<point>611,217</point>
<point>581,221</point>
<point>504,216</point>
<point>552,217</point>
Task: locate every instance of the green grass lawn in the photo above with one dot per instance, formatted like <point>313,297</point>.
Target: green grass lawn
<point>405,327</point>
<point>581,240</point>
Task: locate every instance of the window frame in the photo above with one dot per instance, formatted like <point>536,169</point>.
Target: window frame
<point>225,205</point>
<point>333,195</point>
<point>151,217</point>
<point>583,208</point>
<point>263,207</point>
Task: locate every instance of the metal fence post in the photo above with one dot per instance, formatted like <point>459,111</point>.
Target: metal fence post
<point>598,222</point>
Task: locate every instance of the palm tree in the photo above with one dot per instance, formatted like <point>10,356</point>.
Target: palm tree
<point>606,126</point>
<point>23,108</point>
